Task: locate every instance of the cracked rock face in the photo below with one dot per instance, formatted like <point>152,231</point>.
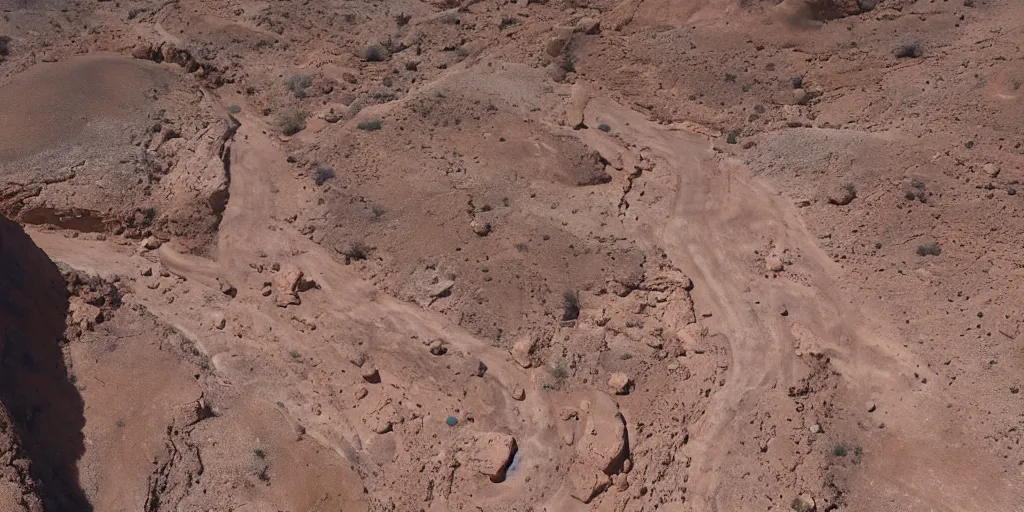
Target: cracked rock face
<point>112,145</point>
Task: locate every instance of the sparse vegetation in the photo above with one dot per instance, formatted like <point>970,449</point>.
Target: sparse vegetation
<point>378,211</point>
<point>916,191</point>
<point>507,21</point>
<point>5,46</point>
<point>402,19</point>
<point>298,84</point>
<point>731,138</point>
<point>908,51</point>
<point>932,249</point>
<point>292,121</point>
<point>322,175</point>
<point>370,125</point>
<point>559,373</point>
<point>295,354</point>
<point>570,305</point>
<point>839,450</point>
<point>355,250</point>
<point>521,247</point>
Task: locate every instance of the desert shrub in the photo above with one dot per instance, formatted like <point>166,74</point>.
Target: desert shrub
<point>298,84</point>
<point>322,174</point>
<point>378,211</point>
<point>839,450</point>
<point>916,191</point>
<point>5,46</point>
<point>570,305</point>
<point>402,19</point>
<point>370,125</point>
<point>932,249</point>
<point>292,121</point>
<point>375,53</point>
<point>559,372</point>
<point>507,21</point>
<point>907,51</point>
<point>355,250</point>
<point>731,138</point>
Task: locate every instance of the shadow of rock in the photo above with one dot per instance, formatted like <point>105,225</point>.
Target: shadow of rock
<point>45,407</point>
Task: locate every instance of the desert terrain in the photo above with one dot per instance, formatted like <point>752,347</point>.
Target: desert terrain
<point>511,255</point>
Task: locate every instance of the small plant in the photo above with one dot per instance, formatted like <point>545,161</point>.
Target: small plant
<point>322,174</point>
<point>355,251</point>
<point>570,305</point>
<point>5,46</point>
<point>411,66</point>
<point>521,247</point>
<point>731,138</point>
<point>292,121</point>
<point>916,191</point>
<point>932,249</point>
<point>908,51</point>
<point>729,77</point>
<point>378,211</point>
<point>375,53</point>
<point>264,474</point>
<point>370,125</point>
<point>839,450</point>
<point>298,84</point>
<point>560,373</point>
<point>295,354</point>
<point>259,453</point>
<point>402,19</point>
<point>507,21</point>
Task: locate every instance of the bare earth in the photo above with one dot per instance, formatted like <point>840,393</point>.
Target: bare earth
<point>567,255</point>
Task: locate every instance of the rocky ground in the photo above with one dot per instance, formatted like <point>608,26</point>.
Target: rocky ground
<point>566,255</point>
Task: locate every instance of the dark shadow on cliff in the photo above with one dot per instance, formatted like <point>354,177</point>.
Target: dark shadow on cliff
<point>45,406</point>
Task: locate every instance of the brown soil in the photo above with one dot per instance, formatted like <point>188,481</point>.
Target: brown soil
<point>566,255</point>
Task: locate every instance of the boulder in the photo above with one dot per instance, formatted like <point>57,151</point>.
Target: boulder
<point>604,442</point>
<point>619,383</point>
<point>522,350</point>
<point>490,453</point>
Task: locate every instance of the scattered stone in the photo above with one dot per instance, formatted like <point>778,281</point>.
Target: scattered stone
<point>871,407</point>
<point>518,393</point>
<point>619,383</point>
<point>843,195</point>
<point>382,426</point>
<point>165,273</point>
<point>480,227</point>
<point>153,285</point>
<point>816,428</point>
<point>491,453</point>
<point>219,321</point>
<point>266,291</point>
<point>146,272</point>
<point>151,243</point>
<point>621,482</point>
<point>773,263</point>
<point>481,369</point>
<point>991,169</point>
<point>361,392</point>
<point>522,350</point>
<point>286,283</point>
<point>588,25</point>
<point>227,289</point>
<point>804,503</point>
<point>438,348</point>
<point>442,288</point>
<point>375,52</point>
<point>84,315</point>
<point>800,96</point>
<point>371,374</point>
<point>586,483</point>
<point>783,310</point>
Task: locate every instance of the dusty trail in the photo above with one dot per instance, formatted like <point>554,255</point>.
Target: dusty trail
<point>721,224</point>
